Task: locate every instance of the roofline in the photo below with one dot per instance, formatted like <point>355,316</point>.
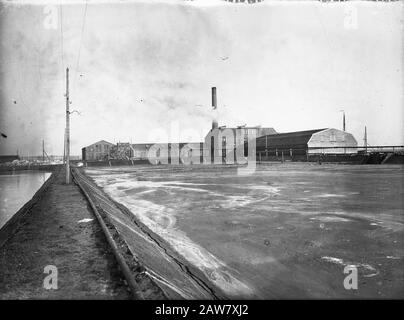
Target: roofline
<point>99,142</point>
<point>304,131</point>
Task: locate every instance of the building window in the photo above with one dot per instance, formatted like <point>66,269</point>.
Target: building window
<point>332,137</point>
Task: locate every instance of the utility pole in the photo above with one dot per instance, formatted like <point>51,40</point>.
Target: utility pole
<point>365,140</point>
<point>64,148</point>
<point>67,138</point>
<point>43,150</point>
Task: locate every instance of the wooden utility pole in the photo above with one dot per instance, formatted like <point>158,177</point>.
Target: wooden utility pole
<point>64,148</point>
<point>67,141</point>
<point>365,140</point>
<point>43,150</point>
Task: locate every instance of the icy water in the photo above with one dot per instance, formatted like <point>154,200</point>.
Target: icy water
<point>16,189</point>
<point>287,231</point>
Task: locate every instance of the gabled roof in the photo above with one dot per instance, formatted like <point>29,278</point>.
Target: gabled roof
<point>100,142</point>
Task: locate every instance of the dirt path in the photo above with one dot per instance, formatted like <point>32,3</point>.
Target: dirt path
<point>52,235</point>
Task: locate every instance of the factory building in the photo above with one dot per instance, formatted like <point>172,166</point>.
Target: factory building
<point>305,143</point>
<point>221,142</point>
<point>96,151</point>
<point>176,153</point>
<point>230,145</point>
<point>157,153</point>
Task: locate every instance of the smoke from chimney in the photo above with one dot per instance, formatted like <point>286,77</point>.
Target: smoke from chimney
<point>215,124</point>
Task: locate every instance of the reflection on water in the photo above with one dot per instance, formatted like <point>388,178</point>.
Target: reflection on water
<point>16,189</point>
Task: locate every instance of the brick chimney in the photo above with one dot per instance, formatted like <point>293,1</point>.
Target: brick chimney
<point>214,107</point>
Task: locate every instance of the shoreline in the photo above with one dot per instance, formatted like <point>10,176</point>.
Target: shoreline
<point>57,228</point>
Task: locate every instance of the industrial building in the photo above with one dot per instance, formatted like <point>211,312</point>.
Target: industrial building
<point>163,153</point>
<point>176,153</point>
<point>227,145</point>
<point>304,143</point>
<point>96,151</point>
<point>221,142</point>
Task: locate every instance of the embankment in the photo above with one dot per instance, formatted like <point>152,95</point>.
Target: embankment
<point>148,255</point>
<point>57,227</point>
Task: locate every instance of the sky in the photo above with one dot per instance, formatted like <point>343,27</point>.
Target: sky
<point>142,71</point>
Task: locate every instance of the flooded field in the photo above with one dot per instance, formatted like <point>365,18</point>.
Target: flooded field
<point>16,189</point>
<point>286,231</point>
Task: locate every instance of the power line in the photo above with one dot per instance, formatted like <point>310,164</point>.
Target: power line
<point>61,36</point>
<point>81,41</point>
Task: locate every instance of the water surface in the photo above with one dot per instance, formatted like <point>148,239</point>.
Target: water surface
<point>16,189</point>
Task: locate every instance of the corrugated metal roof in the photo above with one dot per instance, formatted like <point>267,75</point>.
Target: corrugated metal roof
<point>297,139</point>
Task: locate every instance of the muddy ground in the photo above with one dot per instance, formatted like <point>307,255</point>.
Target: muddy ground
<point>286,231</point>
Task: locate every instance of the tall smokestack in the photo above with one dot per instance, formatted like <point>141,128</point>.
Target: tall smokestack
<point>343,122</point>
<point>214,107</point>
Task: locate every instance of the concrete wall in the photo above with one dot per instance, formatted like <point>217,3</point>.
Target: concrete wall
<point>343,142</point>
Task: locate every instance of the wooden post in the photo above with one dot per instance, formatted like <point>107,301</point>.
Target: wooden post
<point>67,129</point>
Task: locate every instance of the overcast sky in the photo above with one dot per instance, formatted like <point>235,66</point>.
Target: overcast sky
<point>142,71</point>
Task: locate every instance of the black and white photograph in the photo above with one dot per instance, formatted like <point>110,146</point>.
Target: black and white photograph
<point>208,150</point>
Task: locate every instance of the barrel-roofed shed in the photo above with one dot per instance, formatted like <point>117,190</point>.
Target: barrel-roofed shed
<point>326,140</point>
